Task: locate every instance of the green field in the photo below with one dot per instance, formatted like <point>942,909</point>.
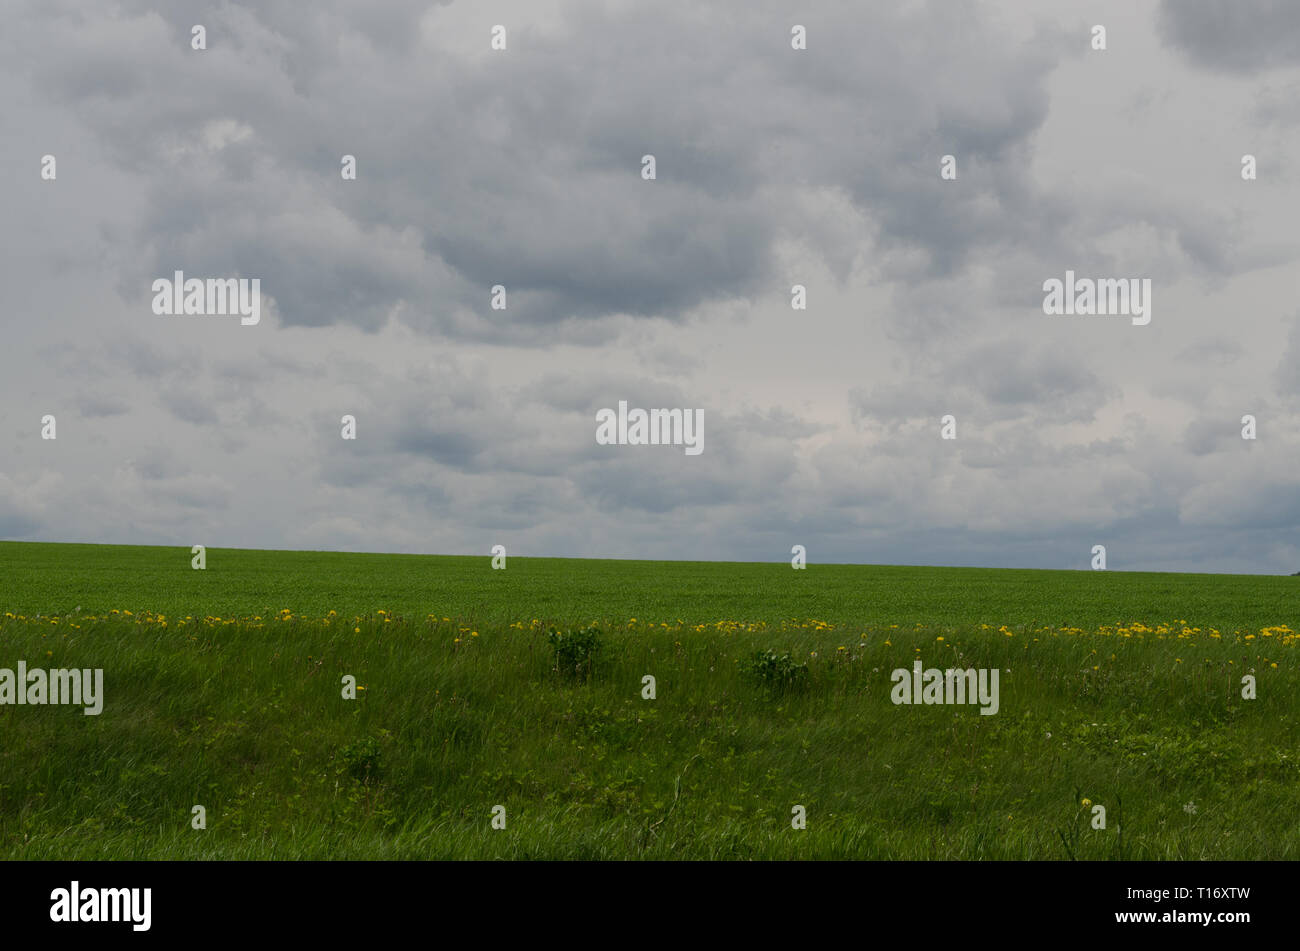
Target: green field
<point>223,688</point>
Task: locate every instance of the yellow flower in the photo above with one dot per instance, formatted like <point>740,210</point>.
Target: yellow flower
<point>1085,803</point>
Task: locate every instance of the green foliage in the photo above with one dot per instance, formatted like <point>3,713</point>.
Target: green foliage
<point>360,761</point>
<point>576,651</point>
<point>227,702</point>
<point>49,578</point>
<point>775,673</point>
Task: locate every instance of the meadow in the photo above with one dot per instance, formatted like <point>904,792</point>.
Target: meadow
<point>223,688</point>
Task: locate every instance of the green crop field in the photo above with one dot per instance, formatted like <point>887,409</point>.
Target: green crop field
<point>772,689</point>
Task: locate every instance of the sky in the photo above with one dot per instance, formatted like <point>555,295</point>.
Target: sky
<point>774,166</point>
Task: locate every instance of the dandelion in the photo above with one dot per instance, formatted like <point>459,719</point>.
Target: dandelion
<point>1083,802</point>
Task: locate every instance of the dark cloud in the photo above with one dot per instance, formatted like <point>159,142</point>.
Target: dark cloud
<point>93,405</point>
<point>1244,36</point>
<point>775,167</point>
<point>190,407</point>
<point>540,190</point>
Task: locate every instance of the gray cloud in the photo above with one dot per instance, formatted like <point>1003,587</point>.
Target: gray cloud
<point>1233,35</point>
<point>540,190</point>
<point>776,167</point>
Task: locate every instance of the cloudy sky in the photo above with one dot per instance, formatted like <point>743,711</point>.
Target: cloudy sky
<point>775,167</point>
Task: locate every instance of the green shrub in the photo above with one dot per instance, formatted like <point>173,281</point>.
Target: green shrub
<point>776,673</point>
<point>361,761</point>
<point>576,651</point>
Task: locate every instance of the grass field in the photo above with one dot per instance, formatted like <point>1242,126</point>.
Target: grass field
<point>223,688</point>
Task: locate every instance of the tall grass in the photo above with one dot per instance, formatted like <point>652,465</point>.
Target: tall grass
<point>453,717</point>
